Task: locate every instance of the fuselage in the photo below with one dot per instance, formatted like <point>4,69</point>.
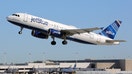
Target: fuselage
<point>25,20</point>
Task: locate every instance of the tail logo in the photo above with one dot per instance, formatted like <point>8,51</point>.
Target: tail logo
<point>109,32</point>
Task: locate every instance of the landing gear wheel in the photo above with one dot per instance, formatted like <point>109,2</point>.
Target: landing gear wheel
<point>53,43</point>
<point>20,32</point>
<point>64,42</point>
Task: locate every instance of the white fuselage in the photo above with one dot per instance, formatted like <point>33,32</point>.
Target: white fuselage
<point>32,22</point>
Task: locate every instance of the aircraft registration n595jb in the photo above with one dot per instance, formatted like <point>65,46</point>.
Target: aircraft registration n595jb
<point>43,28</point>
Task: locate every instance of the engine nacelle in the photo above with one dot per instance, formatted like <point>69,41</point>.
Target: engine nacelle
<point>39,34</point>
<point>54,32</point>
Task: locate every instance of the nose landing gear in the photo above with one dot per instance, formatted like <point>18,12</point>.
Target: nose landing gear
<point>20,32</point>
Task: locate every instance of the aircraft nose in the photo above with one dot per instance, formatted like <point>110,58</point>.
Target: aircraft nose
<point>8,18</point>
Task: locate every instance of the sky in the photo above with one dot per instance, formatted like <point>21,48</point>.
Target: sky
<point>15,48</point>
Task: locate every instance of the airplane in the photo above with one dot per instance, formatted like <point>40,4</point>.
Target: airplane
<point>43,28</point>
<point>69,69</point>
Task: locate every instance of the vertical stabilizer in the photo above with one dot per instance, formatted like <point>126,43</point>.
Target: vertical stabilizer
<point>112,29</point>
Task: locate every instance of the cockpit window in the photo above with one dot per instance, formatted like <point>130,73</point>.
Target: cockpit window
<point>16,15</point>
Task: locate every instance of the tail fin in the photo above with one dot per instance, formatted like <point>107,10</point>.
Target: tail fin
<point>74,66</point>
<point>111,30</point>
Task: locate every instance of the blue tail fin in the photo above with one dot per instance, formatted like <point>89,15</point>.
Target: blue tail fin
<point>111,30</point>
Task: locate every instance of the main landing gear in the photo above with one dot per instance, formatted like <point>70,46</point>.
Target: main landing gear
<point>64,42</point>
<point>54,42</point>
<point>20,32</point>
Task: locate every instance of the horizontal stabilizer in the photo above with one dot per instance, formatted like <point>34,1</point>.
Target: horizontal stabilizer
<point>112,41</point>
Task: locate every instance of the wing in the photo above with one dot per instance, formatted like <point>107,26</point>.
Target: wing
<point>70,32</point>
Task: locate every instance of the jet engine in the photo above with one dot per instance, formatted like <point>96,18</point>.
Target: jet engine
<point>39,34</point>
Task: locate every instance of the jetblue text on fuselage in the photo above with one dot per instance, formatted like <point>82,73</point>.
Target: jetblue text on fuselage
<point>39,20</point>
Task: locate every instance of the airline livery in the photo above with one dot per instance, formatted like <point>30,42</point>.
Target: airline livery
<point>43,28</point>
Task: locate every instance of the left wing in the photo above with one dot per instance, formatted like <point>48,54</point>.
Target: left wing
<point>70,32</point>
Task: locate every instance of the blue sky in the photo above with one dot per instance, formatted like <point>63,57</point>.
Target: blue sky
<point>16,48</point>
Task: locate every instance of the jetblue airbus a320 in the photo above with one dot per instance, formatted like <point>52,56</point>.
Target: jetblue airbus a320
<point>43,28</point>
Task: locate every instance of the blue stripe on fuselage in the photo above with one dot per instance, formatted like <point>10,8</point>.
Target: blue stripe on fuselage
<point>80,41</point>
<point>72,39</point>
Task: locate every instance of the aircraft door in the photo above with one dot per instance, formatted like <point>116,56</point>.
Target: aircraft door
<point>25,19</point>
<point>91,36</point>
<point>98,39</point>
